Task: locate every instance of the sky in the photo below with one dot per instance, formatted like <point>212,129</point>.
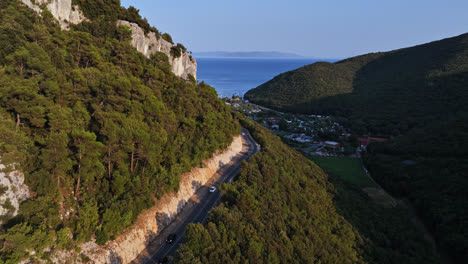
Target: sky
<point>315,28</point>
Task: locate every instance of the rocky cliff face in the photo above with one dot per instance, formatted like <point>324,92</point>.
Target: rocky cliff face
<point>12,192</point>
<point>149,44</point>
<point>62,10</point>
<point>126,247</point>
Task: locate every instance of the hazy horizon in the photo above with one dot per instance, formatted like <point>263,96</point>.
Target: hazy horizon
<point>328,29</point>
<point>251,54</point>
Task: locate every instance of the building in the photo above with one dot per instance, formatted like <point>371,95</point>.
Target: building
<point>332,144</point>
<point>301,138</point>
<point>364,142</point>
<point>273,120</point>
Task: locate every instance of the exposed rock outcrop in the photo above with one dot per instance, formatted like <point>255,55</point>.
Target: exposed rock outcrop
<point>126,247</point>
<point>149,44</point>
<point>12,192</point>
<point>62,10</point>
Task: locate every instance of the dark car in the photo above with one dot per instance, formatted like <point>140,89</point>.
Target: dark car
<point>171,238</point>
<point>163,260</point>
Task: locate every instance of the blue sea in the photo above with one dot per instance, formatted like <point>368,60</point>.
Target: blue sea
<point>235,76</point>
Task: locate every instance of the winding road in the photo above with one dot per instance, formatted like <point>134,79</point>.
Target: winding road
<point>207,202</point>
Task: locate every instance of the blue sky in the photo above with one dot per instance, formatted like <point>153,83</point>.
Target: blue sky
<point>320,28</point>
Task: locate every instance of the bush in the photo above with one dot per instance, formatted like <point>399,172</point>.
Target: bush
<point>167,38</point>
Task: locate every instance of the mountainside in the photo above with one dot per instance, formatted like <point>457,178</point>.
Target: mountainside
<point>182,63</point>
<point>418,96</point>
<point>98,129</point>
<point>146,39</point>
<point>100,119</point>
<point>378,90</point>
<point>284,209</point>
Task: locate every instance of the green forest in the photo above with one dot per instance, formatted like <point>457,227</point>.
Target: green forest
<point>417,97</point>
<point>98,129</point>
<point>101,132</point>
<point>283,208</point>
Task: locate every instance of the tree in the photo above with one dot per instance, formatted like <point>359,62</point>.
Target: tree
<point>167,38</point>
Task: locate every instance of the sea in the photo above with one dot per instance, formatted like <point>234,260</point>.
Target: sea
<point>236,76</point>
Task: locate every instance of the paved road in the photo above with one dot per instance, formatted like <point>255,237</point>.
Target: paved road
<point>208,202</point>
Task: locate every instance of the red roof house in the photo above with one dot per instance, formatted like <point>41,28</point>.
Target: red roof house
<point>366,141</point>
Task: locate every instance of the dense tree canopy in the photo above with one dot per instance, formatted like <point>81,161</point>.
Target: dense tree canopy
<point>283,209</point>
<point>418,96</point>
<point>98,129</point>
<point>382,93</point>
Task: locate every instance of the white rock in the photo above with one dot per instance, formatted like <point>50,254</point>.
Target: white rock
<point>149,44</point>
<point>126,247</point>
<point>16,191</point>
<point>62,10</point>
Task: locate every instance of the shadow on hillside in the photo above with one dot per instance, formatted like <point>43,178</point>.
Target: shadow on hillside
<point>113,258</point>
<point>162,220</point>
<point>399,90</point>
<point>386,233</point>
<point>196,185</point>
<point>221,164</point>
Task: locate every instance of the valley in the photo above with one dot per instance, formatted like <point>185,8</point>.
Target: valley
<point>199,205</point>
<point>412,103</point>
<point>114,150</point>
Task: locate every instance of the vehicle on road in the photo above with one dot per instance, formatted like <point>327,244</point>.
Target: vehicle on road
<point>243,133</point>
<point>212,189</point>
<point>171,238</point>
<point>163,260</point>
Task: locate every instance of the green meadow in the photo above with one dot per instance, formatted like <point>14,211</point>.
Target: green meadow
<point>348,169</point>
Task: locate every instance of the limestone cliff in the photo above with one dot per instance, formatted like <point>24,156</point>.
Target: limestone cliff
<point>149,44</point>
<point>62,10</point>
<point>12,192</point>
<point>126,247</point>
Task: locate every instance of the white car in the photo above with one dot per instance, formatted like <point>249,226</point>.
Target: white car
<point>212,189</point>
<point>243,133</point>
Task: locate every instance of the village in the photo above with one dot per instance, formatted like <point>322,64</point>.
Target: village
<point>314,135</point>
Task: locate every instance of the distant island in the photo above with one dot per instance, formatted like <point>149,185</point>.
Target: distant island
<point>251,54</point>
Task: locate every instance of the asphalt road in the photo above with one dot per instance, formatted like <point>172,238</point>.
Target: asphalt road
<point>200,213</point>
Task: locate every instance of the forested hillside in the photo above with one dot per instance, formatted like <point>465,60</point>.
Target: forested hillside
<point>98,129</point>
<point>284,209</point>
<point>383,93</point>
<point>308,83</point>
<point>418,96</point>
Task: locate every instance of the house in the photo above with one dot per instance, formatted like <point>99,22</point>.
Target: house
<point>332,144</point>
<point>364,142</point>
<point>273,120</point>
<point>301,138</point>
<point>275,127</point>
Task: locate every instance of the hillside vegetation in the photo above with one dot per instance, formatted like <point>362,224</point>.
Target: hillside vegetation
<point>98,129</point>
<point>284,209</point>
<point>419,97</point>
<point>382,93</point>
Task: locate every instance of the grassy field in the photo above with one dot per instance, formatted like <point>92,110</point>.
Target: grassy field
<point>348,169</point>
<point>282,133</point>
